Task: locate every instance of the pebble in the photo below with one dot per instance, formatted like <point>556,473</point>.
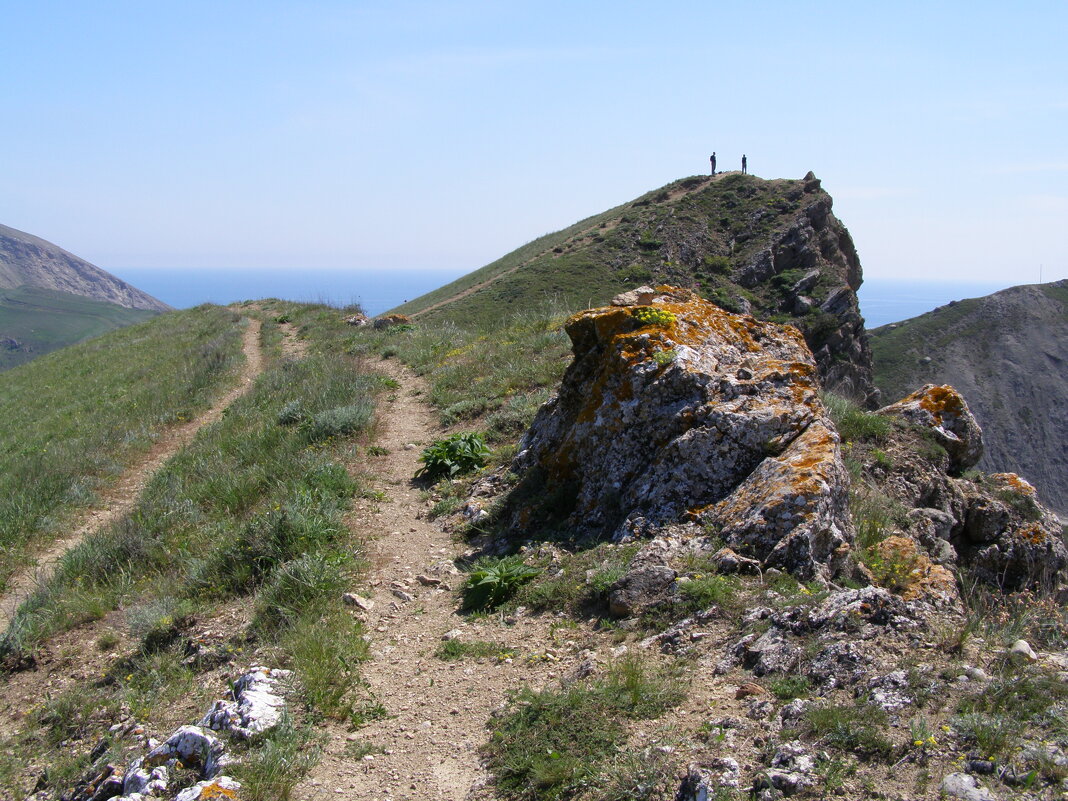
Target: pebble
<point>352,599</point>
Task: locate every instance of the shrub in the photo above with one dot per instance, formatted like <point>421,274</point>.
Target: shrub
<point>160,622</point>
<point>494,581</point>
<point>554,743</point>
<point>788,688</point>
<point>325,651</point>
<point>342,421</point>
<point>457,454</point>
<point>271,769</point>
<point>291,414</point>
<point>851,728</point>
<point>665,357</point>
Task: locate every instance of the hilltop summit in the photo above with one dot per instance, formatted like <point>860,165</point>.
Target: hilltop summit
<point>771,248</point>
<point>27,260</point>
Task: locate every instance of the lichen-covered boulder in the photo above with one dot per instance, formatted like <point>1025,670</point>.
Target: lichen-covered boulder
<point>222,787</point>
<point>391,320</point>
<point>677,410</point>
<point>943,411</point>
<point>1009,539</point>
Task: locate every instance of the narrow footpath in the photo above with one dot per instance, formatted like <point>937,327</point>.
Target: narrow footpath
<point>121,496</point>
<point>426,747</point>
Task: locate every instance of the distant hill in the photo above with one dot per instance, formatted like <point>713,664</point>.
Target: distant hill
<point>1007,353</point>
<point>769,247</point>
<point>27,260</point>
<point>36,321</point>
<point>50,298</point>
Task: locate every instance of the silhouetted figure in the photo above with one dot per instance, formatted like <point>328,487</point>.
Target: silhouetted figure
<point>745,165</point>
<point>712,159</point>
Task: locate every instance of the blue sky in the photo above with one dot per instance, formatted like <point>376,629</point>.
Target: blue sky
<point>355,135</point>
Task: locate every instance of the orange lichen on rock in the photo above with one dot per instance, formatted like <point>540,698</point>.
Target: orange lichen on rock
<point>1015,483</point>
<point>903,568</point>
<point>1033,534</point>
<point>661,437</point>
<point>943,411</point>
<point>390,320</point>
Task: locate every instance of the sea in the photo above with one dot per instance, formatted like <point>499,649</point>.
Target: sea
<point>882,300</point>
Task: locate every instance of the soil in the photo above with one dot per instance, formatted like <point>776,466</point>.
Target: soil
<point>427,746</point>
<point>121,496</point>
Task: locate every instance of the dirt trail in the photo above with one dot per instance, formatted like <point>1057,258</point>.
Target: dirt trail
<point>427,748</point>
<point>119,498</point>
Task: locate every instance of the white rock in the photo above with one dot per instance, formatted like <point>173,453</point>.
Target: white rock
<point>195,746</point>
<point>258,706</point>
<point>210,789</point>
<point>966,788</point>
<point>1021,652</point>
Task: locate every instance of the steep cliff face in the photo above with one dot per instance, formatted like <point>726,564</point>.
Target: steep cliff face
<point>771,248</point>
<point>27,260</point>
<point>1007,353</point>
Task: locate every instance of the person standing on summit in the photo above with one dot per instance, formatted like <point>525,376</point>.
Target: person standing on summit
<point>745,165</point>
<point>712,159</point>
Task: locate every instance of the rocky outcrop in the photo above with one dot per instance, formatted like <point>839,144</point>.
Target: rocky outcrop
<point>390,320</point>
<point>1007,354</point>
<point>27,260</point>
<point>680,412</point>
<point>257,705</point>
<point>942,411</point>
<point>815,248</point>
<point>994,525</point>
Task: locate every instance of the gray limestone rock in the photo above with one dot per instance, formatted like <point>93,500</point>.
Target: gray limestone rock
<point>943,411</point>
<point>258,704</point>
<point>966,788</point>
<point>653,425</point>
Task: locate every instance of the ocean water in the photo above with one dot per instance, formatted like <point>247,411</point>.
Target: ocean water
<point>885,301</point>
<point>881,300</point>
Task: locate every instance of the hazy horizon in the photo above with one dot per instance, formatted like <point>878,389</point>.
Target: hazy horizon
<point>881,300</point>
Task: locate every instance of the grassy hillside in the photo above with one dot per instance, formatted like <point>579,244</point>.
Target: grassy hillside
<point>771,248</point>
<point>250,516</point>
<point>240,548</point>
<point>36,321</point>
<point>74,418</point>
<point>696,232</point>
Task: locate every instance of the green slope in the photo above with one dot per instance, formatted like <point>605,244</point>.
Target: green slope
<point>771,248</point>
<point>694,232</point>
<point>36,321</point>
<point>74,418</point>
